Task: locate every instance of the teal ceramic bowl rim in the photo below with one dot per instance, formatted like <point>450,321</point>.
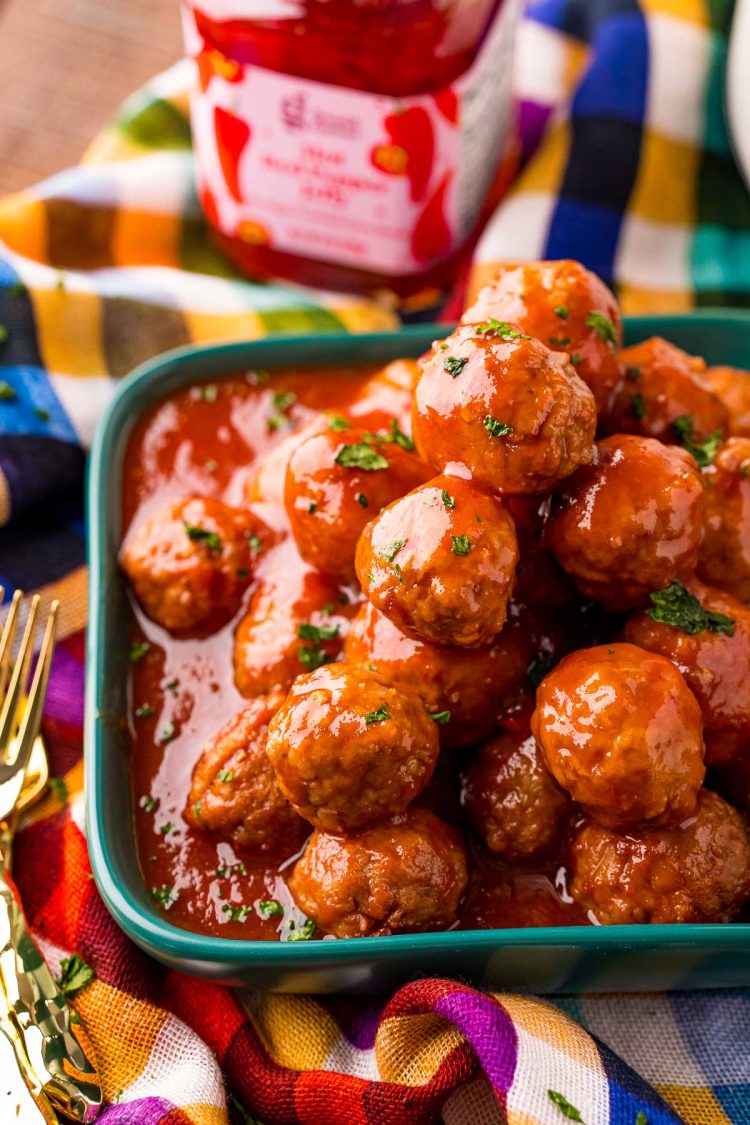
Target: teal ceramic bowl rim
<point>154,931</point>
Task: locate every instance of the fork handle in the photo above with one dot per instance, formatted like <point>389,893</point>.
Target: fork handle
<point>53,1057</point>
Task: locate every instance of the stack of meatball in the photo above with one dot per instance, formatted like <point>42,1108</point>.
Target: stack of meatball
<point>487,557</point>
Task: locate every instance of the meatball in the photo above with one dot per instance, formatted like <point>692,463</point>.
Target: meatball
<point>664,394</point>
<point>620,730</point>
<point>267,479</point>
<point>514,413</point>
<point>385,396</point>
<point>566,307</point>
<point>234,790</point>
<point>439,563</point>
<point>710,644</point>
<point>406,875</point>
<point>349,749</point>
<point>629,523</point>
<point>724,558</point>
<point>470,685</point>
<point>512,800</point>
<point>190,562</point>
<point>696,871</point>
<point>297,620</point>
<point>732,385</point>
<point>335,482</point>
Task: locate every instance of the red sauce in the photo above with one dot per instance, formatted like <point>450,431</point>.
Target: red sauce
<point>207,441</point>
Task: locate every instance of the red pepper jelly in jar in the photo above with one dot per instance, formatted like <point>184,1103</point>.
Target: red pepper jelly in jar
<point>350,144</point>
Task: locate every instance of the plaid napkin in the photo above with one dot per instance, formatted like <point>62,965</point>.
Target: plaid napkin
<point>627,166</point>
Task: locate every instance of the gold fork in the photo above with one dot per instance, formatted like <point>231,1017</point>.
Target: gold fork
<point>34,1015</point>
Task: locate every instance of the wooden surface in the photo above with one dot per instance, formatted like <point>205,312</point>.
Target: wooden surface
<point>65,67</point>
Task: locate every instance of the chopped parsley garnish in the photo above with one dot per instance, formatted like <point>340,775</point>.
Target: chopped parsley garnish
<point>633,373</point>
<point>638,406</point>
<point>562,311</point>
<point>149,803</point>
<point>253,541</point>
<point>539,667</point>
<point>172,685</point>
<point>138,650</point>
<point>75,975</point>
<point>312,656</point>
<point>168,733</point>
<point>603,327</point>
<point>303,932</point>
<point>270,908</point>
<point>210,392</point>
<point>441,717</point>
<point>362,500</point>
<point>318,633</point>
<point>274,422</point>
<point>258,378</point>
<point>145,711</point>
<point>703,451</point>
<point>562,1103</point>
<point>167,828</point>
<point>165,896</point>
<point>393,549</point>
<point>378,716</point>
<point>399,438</point>
<point>575,358</point>
<point>225,775</point>
<point>197,808</point>
<point>361,456</point>
<point>495,428</point>
<point>225,872</point>
<point>337,423</point>
<point>478,518</point>
<point>447,499</point>
<point>7,394</point>
<point>211,466</point>
<point>559,341</point>
<point>500,328</point>
<point>235,913</point>
<point>242,572</point>
<point>312,508</point>
<point>454,364</point>
<point>282,400</point>
<point>676,606</point>
<point>202,535</point>
<point>744,468</point>
<point>443,346</point>
<point>397,571</point>
<point>58,787</point>
<point>327,609</point>
<point>460,544</point>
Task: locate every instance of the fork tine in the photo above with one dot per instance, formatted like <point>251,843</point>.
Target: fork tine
<point>6,640</point>
<point>32,715</point>
<point>14,697</point>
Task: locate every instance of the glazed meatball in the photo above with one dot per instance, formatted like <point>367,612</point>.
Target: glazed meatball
<point>406,875</point>
<point>620,730</point>
<point>696,871</point>
<point>724,558</point>
<point>515,806</point>
<point>664,394</point>
<point>387,395</point>
<point>473,686</point>
<point>335,482</point>
<point>349,749</point>
<point>629,523</point>
<point>732,385</point>
<point>710,644</point>
<point>190,562</point>
<point>267,479</point>
<point>297,619</point>
<point>440,562</point>
<point>503,405</point>
<point>566,307</point>
<point>234,790</point>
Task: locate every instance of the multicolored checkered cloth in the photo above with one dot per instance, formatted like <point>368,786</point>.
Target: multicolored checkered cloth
<point>627,166</point>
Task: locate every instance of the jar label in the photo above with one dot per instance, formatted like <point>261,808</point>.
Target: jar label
<point>385,184</point>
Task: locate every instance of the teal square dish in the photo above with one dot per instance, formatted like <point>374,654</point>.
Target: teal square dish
<point>545,959</point>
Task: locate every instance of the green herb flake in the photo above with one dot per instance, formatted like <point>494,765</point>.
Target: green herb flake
<point>253,541</point>
<point>138,650</point>
<point>443,346</point>
<point>495,428</point>
<point>58,787</point>
<point>235,913</point>
<point>399,438</point>
<point>454,365</point>
<point>676,606</point>
<point>478,518</point>
<point>7,394</point>
<point>312,508</point>
<point>744,468</point>
<point>168,733</point>
<point>393,549</point>
<point>460,544</point>
<point>202,535</point>
<point>148,803</point>
<point>312,656</point>
<point>327,609</point>
<point>362,500</point>
<point>397,571</point>
<point>318,633</point>
<point>539,667</point>
<point>270,908</point>
<point>447,499</point>
<point>225,775</point>
<point>702,451</point>
<point>559,341</point>
<point>242,572</point>
<point>210,392</point>
<point>562,1103</point>
<point>440,717</point>
<point>167,828</point>
<point>258,378</point>
<point>302,933</point>
<point>274,422</point>
<point>575,358</point>
<point>283,400</point>
<point>165,896</point>
<point>502,329</point>
<point>171,686</point>
<point>361,456</point>
<point>338,423</point>
<point>75,975</point>
<point>378,716</point>
<point>633,373</point>
<point>562,311</point>
<point>197,807</point>
<point>145,711</point>
<point>603,327</point>
<point>638,407</point>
